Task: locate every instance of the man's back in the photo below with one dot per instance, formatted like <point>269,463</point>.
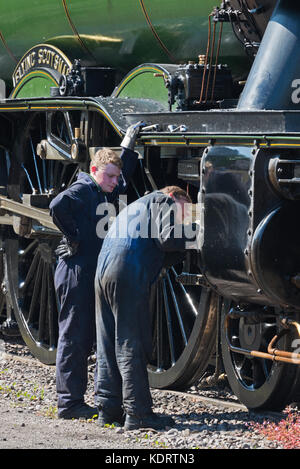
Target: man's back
<point>142,234</point>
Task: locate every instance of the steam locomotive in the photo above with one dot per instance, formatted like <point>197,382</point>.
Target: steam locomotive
<point>218,87</point>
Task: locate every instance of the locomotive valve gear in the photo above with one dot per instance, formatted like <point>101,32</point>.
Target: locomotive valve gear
<point>66,248</point>
<point>131,135</point>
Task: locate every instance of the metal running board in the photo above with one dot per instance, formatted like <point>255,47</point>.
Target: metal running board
<point>40,215</point>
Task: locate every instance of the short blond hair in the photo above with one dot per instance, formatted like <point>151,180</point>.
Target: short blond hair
<point>105,156</point>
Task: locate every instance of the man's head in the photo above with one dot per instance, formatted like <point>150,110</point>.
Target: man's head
<point>105,167</point>
<point>181,199</point>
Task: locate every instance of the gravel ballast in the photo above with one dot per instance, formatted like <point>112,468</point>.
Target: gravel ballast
<point>29,419</point>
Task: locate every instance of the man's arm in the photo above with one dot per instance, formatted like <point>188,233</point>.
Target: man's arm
<point>129,158</point>
<point>62,209</point>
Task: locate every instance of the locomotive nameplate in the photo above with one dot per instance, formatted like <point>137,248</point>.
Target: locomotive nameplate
<point>42,55</point>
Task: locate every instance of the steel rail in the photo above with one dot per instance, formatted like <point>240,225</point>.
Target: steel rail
<point>222,403</point>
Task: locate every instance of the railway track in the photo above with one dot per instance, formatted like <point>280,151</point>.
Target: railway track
<point>205,419</point>
<point>15,351</point>
<point>18,352</point>
<point>212,401</point>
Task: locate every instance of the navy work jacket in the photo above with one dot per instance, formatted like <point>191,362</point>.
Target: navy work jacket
<point>74,211</point>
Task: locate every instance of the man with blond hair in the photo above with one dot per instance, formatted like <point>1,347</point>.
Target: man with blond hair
<point>74,211</point>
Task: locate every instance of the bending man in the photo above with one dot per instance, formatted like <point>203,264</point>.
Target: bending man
<point>139,243</point>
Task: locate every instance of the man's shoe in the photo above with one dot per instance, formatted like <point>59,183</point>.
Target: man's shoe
<point>154,421</point>
<point>110,418</point>
<point>82,411</point>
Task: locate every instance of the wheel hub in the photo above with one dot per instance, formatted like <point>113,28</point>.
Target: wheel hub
<point>250,335</point>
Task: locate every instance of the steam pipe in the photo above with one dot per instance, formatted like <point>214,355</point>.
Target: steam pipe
<point>272,353</point>
<point>271,81</point>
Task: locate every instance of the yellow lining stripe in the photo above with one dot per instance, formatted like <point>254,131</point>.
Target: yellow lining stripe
<point>250,144</point>
<point>136,72</point>
<point>61,107</point>
<point>34,72</point>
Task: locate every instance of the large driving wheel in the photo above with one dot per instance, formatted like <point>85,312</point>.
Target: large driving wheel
<point>30,270</point>
<point>258,383</point>
<point>183,314</point>
<point>29,252</point>
<point>184,319</point>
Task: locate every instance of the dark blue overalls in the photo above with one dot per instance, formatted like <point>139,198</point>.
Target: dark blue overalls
<point>74,212</point>
<point>133,253</point>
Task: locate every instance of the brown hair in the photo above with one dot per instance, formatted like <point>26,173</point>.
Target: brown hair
<point>177,192</point>
<point>105,156</point>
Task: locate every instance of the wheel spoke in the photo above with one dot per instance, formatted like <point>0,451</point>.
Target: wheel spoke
<point>72,177</point>
<point>30,273</point>
<point>51,310</point>
<point>46,188</point>
<point>29,247</point>
<point>179,358</point>
<point>169,322</point>
<point>180,321</point>
<point>259,372</point>
<point>159,338</point>
<point>28,178</point>
<point>36,291</point>
<point>188,297</point>
<point>34,302</point>
<point>43,302</point>
<point>244,370</point>
<point>62,175</point>
<point>51,176</point>
<point>2,303</point>
<point>36,168</point>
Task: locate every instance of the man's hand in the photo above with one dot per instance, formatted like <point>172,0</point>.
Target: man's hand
<point>131,135</point>
<point>66,248</point>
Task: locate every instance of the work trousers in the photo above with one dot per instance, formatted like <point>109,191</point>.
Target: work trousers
<point>123,328</point>
<point>74,283</point>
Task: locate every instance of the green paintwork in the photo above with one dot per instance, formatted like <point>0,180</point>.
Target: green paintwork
<point>147,87</point>
<point>143,83</point>
<point>34,85</point>
<point>112,32</point>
